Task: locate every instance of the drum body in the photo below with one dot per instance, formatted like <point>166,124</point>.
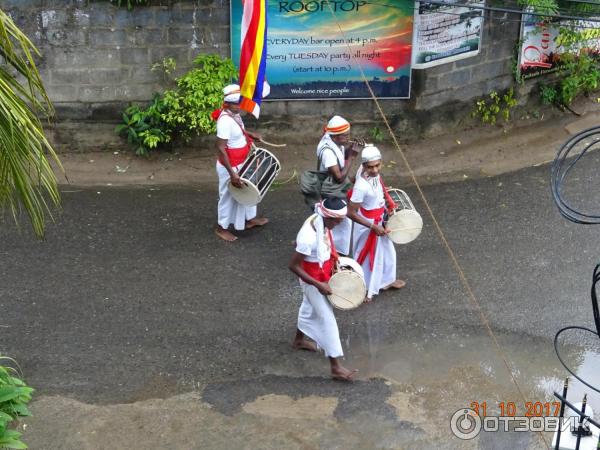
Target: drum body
<point>406,223</point>
<point>347,285</point>
<point>257,174</point>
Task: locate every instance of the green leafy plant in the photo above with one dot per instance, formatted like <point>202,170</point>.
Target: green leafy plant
<point>180,112</point>
<point>14,397</point>
<point>144,127</point>
<point>578,74</point>
<point>376,134</point>
<point>489,109</point>
<point>167,66</point>
<point>198,93</point>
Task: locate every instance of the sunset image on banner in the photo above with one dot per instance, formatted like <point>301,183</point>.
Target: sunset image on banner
<point>319,49</point>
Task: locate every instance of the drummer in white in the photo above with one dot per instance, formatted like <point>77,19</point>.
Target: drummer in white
<point>233,147</point>
<point>313,262</point>
<point>372,247</point>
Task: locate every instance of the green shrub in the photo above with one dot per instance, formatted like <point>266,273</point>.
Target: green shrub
<point>14,397</point>
<point>578,74</point>
<point>182,111</point>
<point>198,93</point>
<point>145,129</point>
<point>488,109</point>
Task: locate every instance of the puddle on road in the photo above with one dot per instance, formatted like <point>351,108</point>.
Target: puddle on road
<point>283,406</point>
<point>584,360</point>
<point>435,374</point>
<point>404,398</point>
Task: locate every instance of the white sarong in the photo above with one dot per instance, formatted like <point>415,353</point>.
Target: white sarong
<point>384,265</point>
<point>317,321</point>
<point>229,210</point>
<point>341,236</point>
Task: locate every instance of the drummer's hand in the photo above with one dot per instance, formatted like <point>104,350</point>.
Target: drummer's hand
<point>256,137</point>
<point>236,181</point>
<point>379,230</point>
<point>324,289</point>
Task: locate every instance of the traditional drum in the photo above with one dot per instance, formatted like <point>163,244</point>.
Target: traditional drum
<point>406,223</point>
<point>347,284</point>
<point>257,174</point>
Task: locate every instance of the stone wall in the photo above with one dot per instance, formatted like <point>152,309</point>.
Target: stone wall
<point>96,59</point>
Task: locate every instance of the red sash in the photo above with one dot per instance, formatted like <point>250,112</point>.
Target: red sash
<point>236,155</point>
<point>322,274</point>
<point>371,242</point>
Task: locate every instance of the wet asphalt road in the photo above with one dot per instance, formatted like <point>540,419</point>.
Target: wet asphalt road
<point>131,296</point>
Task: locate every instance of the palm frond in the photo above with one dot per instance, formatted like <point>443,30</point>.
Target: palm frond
<point>27,181</point>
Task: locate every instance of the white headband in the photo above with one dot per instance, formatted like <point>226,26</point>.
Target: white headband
<point>231,93</point>
<point>322,211</point>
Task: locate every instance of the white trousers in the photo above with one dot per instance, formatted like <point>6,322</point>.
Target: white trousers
<point>229,210</point>
<point>317,321</point>
<point>384,265</point>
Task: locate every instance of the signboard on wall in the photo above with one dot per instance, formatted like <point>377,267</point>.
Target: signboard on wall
<point>540,49</point>
<point>443,34</point>
<point>323,50</point>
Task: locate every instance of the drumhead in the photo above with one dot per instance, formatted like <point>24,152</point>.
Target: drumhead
<point>405,226</point>
<point>349,289</point>
<point>345,261</point>
<point>249,195</point>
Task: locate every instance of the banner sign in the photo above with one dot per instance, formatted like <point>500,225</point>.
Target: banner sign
<point>541,49</point>
<point>445,33</point>
<point>319,49</point>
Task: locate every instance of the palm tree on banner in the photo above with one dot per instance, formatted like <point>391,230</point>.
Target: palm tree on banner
<point>27,181</point>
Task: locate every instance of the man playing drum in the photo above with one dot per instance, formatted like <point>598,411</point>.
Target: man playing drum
<point>233,146</point>
<point>372,247</point>
<point>336,158</point>
<point>313,262</point>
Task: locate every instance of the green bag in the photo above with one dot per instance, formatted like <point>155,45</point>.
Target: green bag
<point>316,185</point>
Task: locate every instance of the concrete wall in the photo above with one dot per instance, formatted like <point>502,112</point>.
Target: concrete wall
<point>96,59</point>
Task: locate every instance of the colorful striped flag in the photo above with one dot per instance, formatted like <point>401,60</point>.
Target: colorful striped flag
<point>253,55</point>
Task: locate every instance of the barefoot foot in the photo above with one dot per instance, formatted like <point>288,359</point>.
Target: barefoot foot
<point>226,235</point>
<point>304,344</point>
<point>256,222</point>
<point>398,284</point>
<point>340,373</point>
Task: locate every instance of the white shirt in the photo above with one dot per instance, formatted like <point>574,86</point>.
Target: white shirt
<point>331,157</point>
<point>331,154</point>
<point>306,241</point>
<point>231,129</point>
<point>369,193</point>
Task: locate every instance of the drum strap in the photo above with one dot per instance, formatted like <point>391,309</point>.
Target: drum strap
<point>371,243</point>
<point>388,198</point>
